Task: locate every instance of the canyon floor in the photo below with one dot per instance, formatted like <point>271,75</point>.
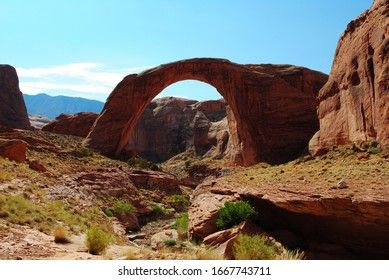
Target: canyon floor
<point>346,191</point>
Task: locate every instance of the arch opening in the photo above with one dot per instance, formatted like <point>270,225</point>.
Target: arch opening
<point>176,121</point>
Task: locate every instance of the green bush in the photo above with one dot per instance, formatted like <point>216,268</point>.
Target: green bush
<point>108,213</point>
<point>256,247</point>
<point>182,223</point>
<point>233,213</point>
<point>82,152</point>
<point>373,151</point>
<point>159,209</point>
<point>170,242</point>
<point>97,240</point>
<point>122,209</point>
<point>142,163</point>
<point>178,202</point>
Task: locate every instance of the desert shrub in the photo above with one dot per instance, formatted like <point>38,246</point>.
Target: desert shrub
<point>170,242</point>
<point>122,209</point>
<point>130,255</point>
<point>181,224</point>
<point>159,209</point>
<point>373,150</point>
<point>81,152</point>
<point>233,213</point>
<point>97,240</point>
<point>5,176</point>
<point>292,255</point>
<point>142,163</point>
<point>256,247</point>
<point>60,235</point>
<point>178,202</point>
<point>187,164</point>
<point>108,212</point>
<point>208,254</point>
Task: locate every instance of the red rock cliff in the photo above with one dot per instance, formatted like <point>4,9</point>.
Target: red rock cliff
<point>13,112</point>
<point>354,103</point>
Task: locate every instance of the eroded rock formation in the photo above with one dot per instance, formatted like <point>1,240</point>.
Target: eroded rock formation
<point>332,225</point>
<point>78,124</point>
<point>354,103</point>
<point>273,106</point>
<point>13,112</point>
<point>170,126</point>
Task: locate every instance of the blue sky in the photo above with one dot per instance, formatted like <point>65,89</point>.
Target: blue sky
<point>84,48</point>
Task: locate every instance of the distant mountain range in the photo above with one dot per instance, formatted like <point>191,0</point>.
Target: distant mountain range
<point>52,106</point>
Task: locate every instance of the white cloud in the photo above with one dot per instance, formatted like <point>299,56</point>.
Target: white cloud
<point>83,78</point>
<point>40,87</point>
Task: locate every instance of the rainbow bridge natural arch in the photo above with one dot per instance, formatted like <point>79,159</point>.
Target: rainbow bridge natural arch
<point>272,108</point>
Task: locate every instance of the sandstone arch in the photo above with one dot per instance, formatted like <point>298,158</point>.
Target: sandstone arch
<point>273,106</point>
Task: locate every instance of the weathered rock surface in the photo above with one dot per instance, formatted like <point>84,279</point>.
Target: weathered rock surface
<point>359,224</point>
<point>170,126</point>
<point>203,213</point>
<point>78,124</point>
<point>36,165</point>
<point>153,179</point>
<point>160,239</point>
<point>138,187</point>
<point>33,143</point>
<point>13,149</point>
<point>13,112</point>
<point>273,106</point>
<point>354,103</point>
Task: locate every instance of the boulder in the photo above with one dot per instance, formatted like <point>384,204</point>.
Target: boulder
<point>160,239</point>
<point>36,165</point>
<point>354,103</point>
<point>13,112</point>
<point>203,214</point>
<point>78,124</point>
<point>13,149</point>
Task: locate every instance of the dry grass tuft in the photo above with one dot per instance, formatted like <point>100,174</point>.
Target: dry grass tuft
<point>61,235</point>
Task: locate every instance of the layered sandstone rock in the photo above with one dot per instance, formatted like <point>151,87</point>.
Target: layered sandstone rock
<point>13,149</point>
<point>170,126</point>
<point>13,112</point>
<point>149,179</point>
<point>273,106</point>
<point>359,223</point>
<point>78,124</point>
<point>354,103</point>
<point>33,143</point>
